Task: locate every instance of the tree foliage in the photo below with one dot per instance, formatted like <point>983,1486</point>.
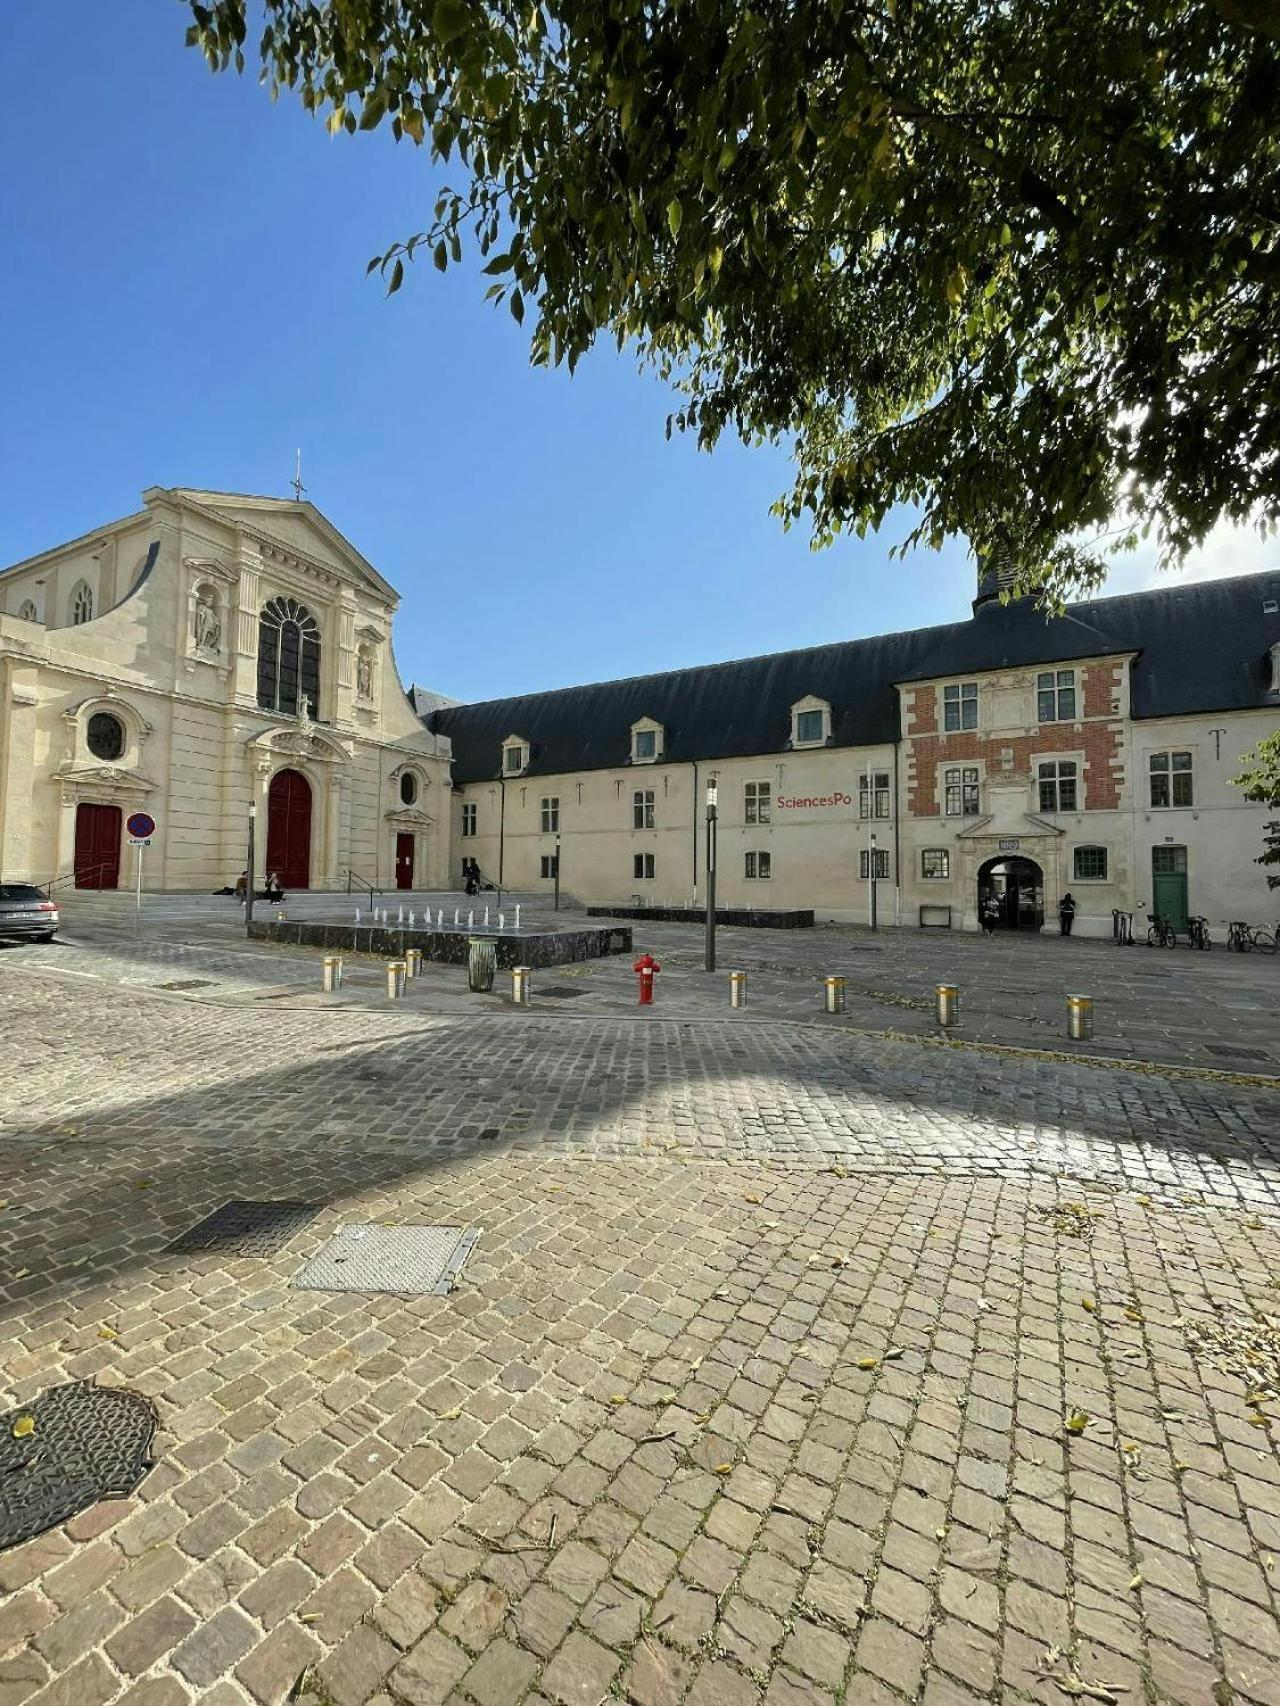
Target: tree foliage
<point>1260,781</point>
<point>1012,261</point>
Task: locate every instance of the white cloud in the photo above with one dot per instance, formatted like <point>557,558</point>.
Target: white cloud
<point>1229,550</point>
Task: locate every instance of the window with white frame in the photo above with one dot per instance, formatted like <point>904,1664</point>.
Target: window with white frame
<point>1171,779</point>
<point>642,809</point>
<point>810,722</point>
<point>882,864</point>
<point>469,818</point>
<point>873,794</point>
<point>935,862</point>
<point>758,866</point>
<point>1089,865</point>
<point>960,790</point>
<point>642,866</point>
<point>1056,696</point>
<point>1058,781</point>
<point>515,755</point>
<point>548,864</point>
<point>551,814</point>
<point>757,802</point>
<point>960,706</point>
<point>646,742</point>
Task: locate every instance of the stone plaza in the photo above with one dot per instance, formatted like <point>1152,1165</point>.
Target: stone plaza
<point>800,1358</point>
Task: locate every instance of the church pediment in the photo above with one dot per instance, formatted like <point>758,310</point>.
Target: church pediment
<point>102,779</point>
<point>286,530</point>
<point>299,740</point>
<point>409,817</point>
<point>1014,827</point>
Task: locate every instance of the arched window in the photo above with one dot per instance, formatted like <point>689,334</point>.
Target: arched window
<point>288,658</point>
<point>81,603</point>
<point>27,613</point>
<point>408,788</point>
<point>105,735</point>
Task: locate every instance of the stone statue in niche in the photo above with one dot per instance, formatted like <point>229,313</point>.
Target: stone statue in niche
<point>207,624</point>
<point>364,676</point>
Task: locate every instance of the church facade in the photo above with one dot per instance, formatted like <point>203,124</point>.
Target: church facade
<point>214,652</point>
<point>207,654</point>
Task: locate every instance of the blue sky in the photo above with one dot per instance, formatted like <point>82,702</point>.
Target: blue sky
<point>184,302</point>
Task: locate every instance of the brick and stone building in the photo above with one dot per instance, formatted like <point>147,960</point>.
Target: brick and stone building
<point>213,651</point>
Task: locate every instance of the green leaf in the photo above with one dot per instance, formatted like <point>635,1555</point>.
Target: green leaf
<point>675,217</point>
<point>517,307</point>
<point>397,278</point>
<point>440,255</point>
<point>450,20</point>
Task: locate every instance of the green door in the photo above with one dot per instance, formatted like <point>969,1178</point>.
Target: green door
<point>1169,885</point>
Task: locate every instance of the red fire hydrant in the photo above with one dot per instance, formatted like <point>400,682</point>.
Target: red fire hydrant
<point>646,969</point>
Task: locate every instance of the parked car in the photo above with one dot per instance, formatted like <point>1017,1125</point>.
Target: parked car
<point>28,912</point>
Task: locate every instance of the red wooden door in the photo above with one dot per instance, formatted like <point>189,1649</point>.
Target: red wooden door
<point>404,861</point>
<point>97,856</point>
<point>289,829</point>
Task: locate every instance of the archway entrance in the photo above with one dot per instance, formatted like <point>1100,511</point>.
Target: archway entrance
<point>289,829</point>
<point>1016,885</point>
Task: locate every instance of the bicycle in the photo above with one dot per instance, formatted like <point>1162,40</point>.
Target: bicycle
<point>1198,933</point>
<point>1267,941</point>
<point>1239,937</point>
<point>1160,933</point>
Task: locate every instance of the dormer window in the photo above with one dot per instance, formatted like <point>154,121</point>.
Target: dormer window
<point>515,756</point>
<point>810,722</point>
<point>646,741</point>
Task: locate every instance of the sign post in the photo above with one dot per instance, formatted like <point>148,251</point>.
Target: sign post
<point>141,827</point>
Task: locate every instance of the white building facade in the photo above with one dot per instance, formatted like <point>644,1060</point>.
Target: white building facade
<point>209,653</point>
<point>213,652</point>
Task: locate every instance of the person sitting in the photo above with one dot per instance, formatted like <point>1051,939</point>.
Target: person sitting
<point>242,885</point>
<point>274,892</point>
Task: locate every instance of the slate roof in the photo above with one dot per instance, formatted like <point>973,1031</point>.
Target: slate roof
<point>1200,648</point>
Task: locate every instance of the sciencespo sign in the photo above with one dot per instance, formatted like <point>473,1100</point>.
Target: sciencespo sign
<point>794,802</point>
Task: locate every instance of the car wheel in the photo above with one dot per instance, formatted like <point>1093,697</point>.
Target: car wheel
<point>47,937</point>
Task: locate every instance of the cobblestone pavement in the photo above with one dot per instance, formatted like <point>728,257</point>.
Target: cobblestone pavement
<point>1215,1010</point>
<point>756,1386</point>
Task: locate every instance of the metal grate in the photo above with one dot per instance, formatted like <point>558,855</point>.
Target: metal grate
<point>246,1228</point>
<point>403,1259</point>
<point>1234,1053</point>
<point>558,994</point>
<point>88,1443</point>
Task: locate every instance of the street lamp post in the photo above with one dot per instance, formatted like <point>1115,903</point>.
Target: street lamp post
<point>248,887</point>
<point>871,867</point>
<point>557,872</point>
<point>711,874</point>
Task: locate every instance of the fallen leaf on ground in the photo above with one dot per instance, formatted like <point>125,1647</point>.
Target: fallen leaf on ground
<point>723,1469</point>
<point>618,1398</point>
<point>1089,1304</point>
<point>105,1332</point>
<point>1077,1422</point>
<point>452,1415</point>
<point>24,1427</point>
<point>868,1362</point>
<point>754,1199</point>
<point>1135,1581</point>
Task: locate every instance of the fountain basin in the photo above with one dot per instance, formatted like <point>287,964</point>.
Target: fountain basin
<point>447,945</point>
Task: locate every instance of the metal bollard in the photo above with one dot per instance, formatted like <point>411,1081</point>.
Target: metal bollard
<point>412,962</point>
<point>521,985</point>
<point>395,979</point>
<point>1080,1018</point>
<point>948,1004</point>
<point>737,989</point>
<point>332,973</point>
<point>835,995</point>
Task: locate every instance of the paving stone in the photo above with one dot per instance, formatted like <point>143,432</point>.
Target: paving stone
<point>215,1646</point>
<point>581,1672</point>
<point>276,1663</point>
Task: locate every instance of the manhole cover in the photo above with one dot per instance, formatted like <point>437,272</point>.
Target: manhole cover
<point>87,1443</point>
<point>1237,1053</point>
<point>188,983</point>
<point>390,1258</point>
<point>562,994</point>
<point>246,1228</point>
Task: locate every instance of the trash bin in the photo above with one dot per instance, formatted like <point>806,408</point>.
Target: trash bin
<point>482,963</point>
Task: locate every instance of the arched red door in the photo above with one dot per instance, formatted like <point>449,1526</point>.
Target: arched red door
<point>289,829</point>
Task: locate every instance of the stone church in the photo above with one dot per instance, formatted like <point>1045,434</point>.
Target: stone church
<point>210,652</point>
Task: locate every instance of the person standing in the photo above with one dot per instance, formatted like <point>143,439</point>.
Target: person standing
<point>1066,912</point>
<point>989,914</point>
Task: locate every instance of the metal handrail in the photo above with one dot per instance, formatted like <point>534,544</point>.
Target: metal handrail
<point>362,883</point>
<point>74,876</point>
